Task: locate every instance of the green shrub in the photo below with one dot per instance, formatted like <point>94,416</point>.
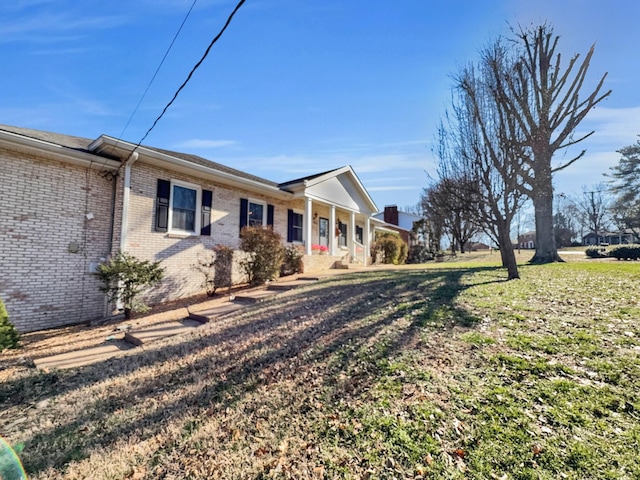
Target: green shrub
<point>390,249</point>
<point>292,262</point>
<point>624,252</point>
<point>595,252</point>
<point>266,254</point>
<point>9,336</point>
<point>419,254</point>
<point>124,277</point>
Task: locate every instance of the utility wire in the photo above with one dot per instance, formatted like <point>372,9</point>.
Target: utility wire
<point>175,95</point>
<point>135,110</point>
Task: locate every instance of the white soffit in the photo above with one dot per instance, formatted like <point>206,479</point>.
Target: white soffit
<point>341,190</point>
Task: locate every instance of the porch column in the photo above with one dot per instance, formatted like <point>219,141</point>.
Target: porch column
<point>332,230</point>
<point>367,240</point>
<point>352,235</point>
<point>307,225</point>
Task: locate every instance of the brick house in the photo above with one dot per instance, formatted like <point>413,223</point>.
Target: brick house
<point>69,202</point>
<point>402,223</point>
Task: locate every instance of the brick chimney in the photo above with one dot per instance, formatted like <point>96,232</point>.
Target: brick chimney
<point>391,214</point>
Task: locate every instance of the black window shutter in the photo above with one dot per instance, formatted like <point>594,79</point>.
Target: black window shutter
<point>270,215</point>
<point>244,212</point>
<point>207,200</point>
<point>289,225</point>
<point>162,205</point>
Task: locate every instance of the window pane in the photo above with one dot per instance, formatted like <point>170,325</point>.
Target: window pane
<point>184,209</point>
<point>297,227</point>
<point>256,214</point>
<point>342,238</point>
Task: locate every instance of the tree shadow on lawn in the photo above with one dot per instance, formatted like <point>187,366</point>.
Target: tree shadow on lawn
<point>232,357</point>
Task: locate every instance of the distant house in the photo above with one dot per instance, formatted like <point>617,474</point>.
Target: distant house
<point>68,203</point>
<point>527,240</point>
<point>476,247</point>
<point>402,223</point>
<point>621,237</point>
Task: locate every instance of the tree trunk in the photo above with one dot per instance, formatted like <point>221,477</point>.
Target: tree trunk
<point>127,313</point>
<point>546,250</point>
<point>508,254</point>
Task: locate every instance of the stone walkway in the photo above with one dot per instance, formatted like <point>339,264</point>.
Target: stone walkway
<point>129,338</point>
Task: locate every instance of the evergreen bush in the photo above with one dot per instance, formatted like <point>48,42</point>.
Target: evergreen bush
<point>9,336</point>
<point>292,262</point>
<point>595,252</point>
<point>266,254</point>
<point>124,277</point>
<point>624,252</point>
<point>419,254</point>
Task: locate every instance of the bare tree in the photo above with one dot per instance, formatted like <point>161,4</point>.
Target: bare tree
<point>450,206</point>
<point>593,209</point>
<point>545,100</point>
<point>487,152</point>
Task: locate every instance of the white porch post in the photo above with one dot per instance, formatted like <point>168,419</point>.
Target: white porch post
<point>352,235</point>
<point>367,240</point>
<point>332,230</point>
<point>307,225</point>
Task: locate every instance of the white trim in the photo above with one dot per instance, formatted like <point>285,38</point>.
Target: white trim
<point>198,211</point>
<point>190,168</point>
<point>297,211</point>
<point>265,209</point>
<point>58,152</point>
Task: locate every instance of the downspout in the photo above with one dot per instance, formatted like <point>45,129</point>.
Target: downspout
<point>125,199</point>
<point>112,219</point>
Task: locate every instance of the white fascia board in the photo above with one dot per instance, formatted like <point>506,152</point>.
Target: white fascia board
<point>58,152</point>
<point>190,168</point>
<point>349,170</point>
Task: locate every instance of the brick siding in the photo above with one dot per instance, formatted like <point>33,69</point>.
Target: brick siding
<point>44,203</point>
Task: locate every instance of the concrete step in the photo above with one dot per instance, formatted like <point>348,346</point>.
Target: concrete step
<point>290,284</point>
<point>208,314</point>
<point>86,356</point>
<point>141,336</point>
<point>255,296</point>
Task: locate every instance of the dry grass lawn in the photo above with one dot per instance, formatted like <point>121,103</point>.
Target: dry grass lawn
<point>443,371</point>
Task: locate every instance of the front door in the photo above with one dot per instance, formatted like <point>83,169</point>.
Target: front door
<point>323,227</point>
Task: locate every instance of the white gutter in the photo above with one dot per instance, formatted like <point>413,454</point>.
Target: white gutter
<point>58,152</point>
<point>125,199</point>
<point>190,167</point>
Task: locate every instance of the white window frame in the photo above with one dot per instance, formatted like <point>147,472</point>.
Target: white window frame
<point>301,213</point>
<point>264,210</point>
<point>198,214</point>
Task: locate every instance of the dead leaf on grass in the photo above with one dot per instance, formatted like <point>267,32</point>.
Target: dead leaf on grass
<point>260,452</point>
<point>459,452</point>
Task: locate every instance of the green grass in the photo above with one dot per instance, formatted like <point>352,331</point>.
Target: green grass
<point>439,372</point>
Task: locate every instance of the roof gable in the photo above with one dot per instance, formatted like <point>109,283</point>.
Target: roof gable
<point>340,187</point>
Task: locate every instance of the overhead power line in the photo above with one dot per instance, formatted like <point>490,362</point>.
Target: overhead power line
<point>135,110</point>
<point>175,95</point>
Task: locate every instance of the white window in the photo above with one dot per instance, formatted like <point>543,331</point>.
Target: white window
<point>185,208</point>
<point>257,214</point>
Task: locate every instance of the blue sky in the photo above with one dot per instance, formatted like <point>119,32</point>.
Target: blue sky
<point>296,87</point>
